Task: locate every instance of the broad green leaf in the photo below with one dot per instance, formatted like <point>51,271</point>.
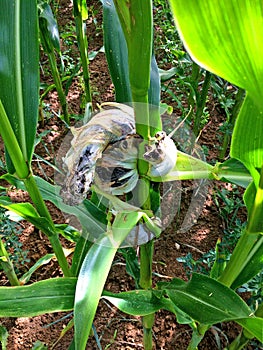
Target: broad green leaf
<point>19,77</point>
<point>224,37</point>
<point>11,142</point>
<point>51,295</point>
<point>254,325</point>
<point>68,232</point>
<point>247,139</point>
<point>98,263</point>
<point>206,300</point>
<point>81,249</point>
<point>249,197</point>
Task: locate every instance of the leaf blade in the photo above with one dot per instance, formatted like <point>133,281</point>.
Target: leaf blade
<point>52,295</point>
<point>19,78</point>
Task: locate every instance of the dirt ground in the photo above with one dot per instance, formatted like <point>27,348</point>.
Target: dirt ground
<point>115,329</point>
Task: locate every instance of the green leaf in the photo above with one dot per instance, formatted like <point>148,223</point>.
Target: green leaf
<point>48,28</point>
<point>254,325</point>
<point>84,212</point>
<point>249,197</point>
<point>131,263</point>
<point>167,74</point>
<point>89,288</point>
<point>28,212</point>
<point>247,139</point>
<point>136,20</point>
<point>116,52</point>
<point>11,143</point>
<point>52,295</point>
<point>40,262</point>
<point>252,265</point>
<point>68,232</point>
<point>232,170</point>
<point>19,77</point>
<point>136,302</point>
<point>98,263</point>
<point>144,302</point>
<point>117,57</point>
<point>206,300</point>
<point>223,38</point>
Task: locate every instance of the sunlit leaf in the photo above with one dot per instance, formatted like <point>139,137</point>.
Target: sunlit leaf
<point>52,295</point>
<point>247,140</point>
<point>224,37</point>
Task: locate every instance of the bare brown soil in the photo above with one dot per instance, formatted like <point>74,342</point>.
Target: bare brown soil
<point>123,332</point>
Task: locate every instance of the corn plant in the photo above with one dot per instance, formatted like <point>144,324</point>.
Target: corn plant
<point>203,300</point>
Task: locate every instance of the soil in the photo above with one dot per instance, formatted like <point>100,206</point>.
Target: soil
<point>115,329</point>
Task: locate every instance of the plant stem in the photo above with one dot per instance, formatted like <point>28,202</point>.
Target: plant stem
<point>7,266</point>
<point>40,205</point>
<point>58,83</point>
